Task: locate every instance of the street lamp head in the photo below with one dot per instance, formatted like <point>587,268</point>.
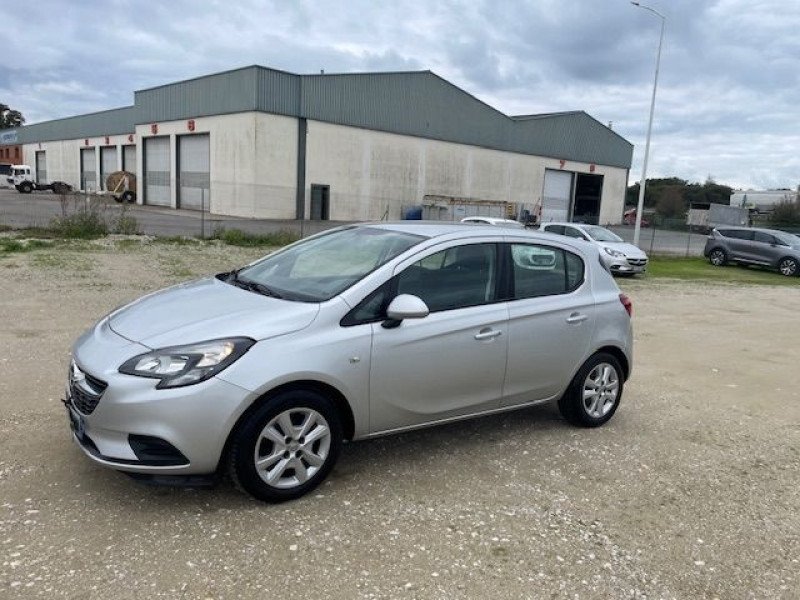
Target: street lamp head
<point>634,3</point>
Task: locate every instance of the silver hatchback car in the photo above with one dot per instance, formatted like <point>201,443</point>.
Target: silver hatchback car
<point>361,331</point>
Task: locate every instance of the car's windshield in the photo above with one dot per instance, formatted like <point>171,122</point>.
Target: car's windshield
<point>601,234</point>
<point>322,267</point>
<point>787,238</point>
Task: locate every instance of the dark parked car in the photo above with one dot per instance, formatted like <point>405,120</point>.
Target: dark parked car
<point>751,246</point>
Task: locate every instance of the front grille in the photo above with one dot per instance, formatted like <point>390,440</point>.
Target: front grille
<point>637,262</point>
<point>85,390</point>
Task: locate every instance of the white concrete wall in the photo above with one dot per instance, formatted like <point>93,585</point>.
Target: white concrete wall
<point>64,156</point>
<point>253,162</point>
<point>371,173</point>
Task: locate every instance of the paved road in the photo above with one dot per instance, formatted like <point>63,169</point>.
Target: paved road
<point>37,209</point>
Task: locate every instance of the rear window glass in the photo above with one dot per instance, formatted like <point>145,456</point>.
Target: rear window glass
<point>544,271</point>
<point>737,234</point>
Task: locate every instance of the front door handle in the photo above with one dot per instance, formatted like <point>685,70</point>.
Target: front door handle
<point>575,318</point>
<point>488,334</point>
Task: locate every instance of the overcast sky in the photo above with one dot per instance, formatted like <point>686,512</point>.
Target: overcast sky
<point>728,94</point>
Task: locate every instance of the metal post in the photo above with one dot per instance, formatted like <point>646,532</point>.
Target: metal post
<point>652,238</point>
<point>202,213</point>
<point>643,181</point>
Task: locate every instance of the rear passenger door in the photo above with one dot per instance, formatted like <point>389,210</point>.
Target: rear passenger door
<point>740,243</point>
<point>551,320</point>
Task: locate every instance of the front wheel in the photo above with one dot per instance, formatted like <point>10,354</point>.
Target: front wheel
<point>287,447</point>
<point>128,196</point>
<point>788,266</point>
<point>594,394</point>
<point>718,257</point>
<point>25,187</point>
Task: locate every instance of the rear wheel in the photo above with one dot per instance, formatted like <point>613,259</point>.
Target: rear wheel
<point>128,197</point>
<point>788,266</point>
<point>718,257</point>
<point>594,394</point>
<point>287,447</point>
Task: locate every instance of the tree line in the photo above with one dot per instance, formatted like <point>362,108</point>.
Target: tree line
<point>10,118</point>
<point>672,196</point>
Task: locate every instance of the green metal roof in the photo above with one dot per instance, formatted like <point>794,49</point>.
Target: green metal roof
<point>418,103</point>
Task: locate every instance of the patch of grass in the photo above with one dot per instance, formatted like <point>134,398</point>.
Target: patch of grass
<point>699,269</point>
<point>11,245</point>
<point>237,237</point>
<point>178,240</point>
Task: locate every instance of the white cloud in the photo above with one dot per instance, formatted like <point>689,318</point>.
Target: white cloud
<point>726,99</point>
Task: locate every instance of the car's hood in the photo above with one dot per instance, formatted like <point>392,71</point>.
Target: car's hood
<point>208,309</point>
<point>629,250</point>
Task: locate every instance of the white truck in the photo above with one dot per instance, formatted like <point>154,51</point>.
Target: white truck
<point>21,179</point>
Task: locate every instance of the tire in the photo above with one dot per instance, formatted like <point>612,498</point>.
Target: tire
<point>294,468</point>
<point>26,187</point>
<point>128,197</point>
<point>602,374</point>
<point>788,266</point>
<point>718,257</point>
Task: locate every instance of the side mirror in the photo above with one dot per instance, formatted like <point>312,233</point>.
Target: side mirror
<point>405,306</point>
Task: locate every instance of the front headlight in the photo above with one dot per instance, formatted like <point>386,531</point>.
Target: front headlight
<point>614,253</point>
<point>186,365</point>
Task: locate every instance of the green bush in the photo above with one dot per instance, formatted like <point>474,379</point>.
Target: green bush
<point>127,225</point>
<point>237,237</point>
<point>87,225</point>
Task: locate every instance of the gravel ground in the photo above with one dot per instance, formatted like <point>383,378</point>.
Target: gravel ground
<point>691,491</point>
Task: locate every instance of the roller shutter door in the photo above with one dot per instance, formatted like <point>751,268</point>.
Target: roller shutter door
<point>193,162</point>
<point>557,196</point>
<point>129,158</point>
<point>108,163</point>
<point>41,167</point>
<point>157,171</point>
<point>88,170</point>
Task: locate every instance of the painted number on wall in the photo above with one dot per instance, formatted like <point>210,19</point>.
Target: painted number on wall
<point>190,124</point>
<point>154,128</point>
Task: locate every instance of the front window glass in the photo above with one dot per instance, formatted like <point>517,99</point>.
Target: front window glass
<point>454,278</point>
<point>601,234</point>
<point>322,267</point>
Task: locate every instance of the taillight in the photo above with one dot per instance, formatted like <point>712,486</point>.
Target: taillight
<point>626,302</point>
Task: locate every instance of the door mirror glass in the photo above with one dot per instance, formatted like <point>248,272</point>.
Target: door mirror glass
<point>406,306</point>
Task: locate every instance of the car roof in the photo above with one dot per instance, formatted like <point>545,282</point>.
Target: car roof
<point>458,230</point>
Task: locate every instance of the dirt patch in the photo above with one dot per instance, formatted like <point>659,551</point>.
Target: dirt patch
<point>691,491</point>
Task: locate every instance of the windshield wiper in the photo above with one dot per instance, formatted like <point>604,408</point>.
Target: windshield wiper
<point>254,286</point>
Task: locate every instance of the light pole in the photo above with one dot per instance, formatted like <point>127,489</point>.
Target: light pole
<point>643,181</point>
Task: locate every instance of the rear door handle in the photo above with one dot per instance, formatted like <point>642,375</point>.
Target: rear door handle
<point>488,334</point>
<point>575,318</point>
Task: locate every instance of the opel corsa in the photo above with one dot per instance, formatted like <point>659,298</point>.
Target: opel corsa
<point>358,332</point>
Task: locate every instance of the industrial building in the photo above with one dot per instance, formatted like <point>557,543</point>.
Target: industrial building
<point>262,143</point>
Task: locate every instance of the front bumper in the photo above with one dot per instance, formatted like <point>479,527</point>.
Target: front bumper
<point>136,428</point>
<point>624,265</point>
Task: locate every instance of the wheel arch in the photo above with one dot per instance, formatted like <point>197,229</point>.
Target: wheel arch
<point>340,403</point>
<point>621,357</point>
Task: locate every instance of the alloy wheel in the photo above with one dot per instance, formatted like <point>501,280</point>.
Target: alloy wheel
<point>717,258</point>
<point>788,267</point>
<point>600,390</point>
<point>292,448</point>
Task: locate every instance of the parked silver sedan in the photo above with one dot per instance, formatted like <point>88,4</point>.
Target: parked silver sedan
<point>618,255</point>
<point>358,332</point>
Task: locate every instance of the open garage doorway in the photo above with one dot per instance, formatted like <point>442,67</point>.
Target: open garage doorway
<point>588,193</point>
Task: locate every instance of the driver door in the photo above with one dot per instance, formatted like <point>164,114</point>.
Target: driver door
<point>452,362</point>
